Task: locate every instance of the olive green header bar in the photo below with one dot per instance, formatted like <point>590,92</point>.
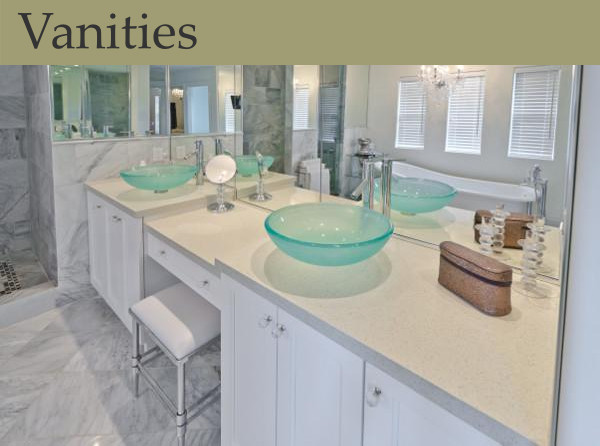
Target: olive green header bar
<point>305,31</point>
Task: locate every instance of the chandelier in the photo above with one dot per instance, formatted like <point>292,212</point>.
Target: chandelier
<point>177,93</point>
<point>440,77</point>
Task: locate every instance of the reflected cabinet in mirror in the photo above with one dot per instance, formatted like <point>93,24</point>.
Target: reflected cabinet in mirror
<point>463,145</point>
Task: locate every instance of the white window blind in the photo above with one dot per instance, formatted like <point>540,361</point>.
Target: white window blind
<point>410,118</point>
<point>534,111</point>
<point>465,115</point>
<point>329,105</point>
<point>301,98</point>
<point>229,113</point>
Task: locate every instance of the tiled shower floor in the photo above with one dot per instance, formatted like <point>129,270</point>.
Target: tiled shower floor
<point>64,381</point>
<point>20,275</point>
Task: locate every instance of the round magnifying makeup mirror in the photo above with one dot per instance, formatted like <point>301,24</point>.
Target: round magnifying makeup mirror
<point>220,170</point>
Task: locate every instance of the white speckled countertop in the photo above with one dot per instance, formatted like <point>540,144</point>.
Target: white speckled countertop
<point>495,373</point>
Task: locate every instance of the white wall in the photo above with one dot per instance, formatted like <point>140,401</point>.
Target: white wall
<point>579,409</point>
<point>493,163</point>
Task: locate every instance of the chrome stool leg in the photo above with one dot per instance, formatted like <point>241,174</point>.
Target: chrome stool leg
<point>135,358</point>
<point>181,409</point>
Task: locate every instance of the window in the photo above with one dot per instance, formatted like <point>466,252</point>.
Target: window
<point>410,119</point>
<point>329,106</point>
<point>465,115</point>
<point>229,113</point>
<point>301,96</point>
<point>533,115</point>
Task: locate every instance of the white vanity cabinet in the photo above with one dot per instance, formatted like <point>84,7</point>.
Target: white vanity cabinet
<point>395,415</point>
<point>116,255</point>
<point>293,386</point>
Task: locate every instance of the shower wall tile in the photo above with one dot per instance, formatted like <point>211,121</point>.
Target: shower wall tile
<point>264,107</point>
<point>14,205</point>
<point>14,189</point>
<point>12,144</point>
<point>11,80</point>
<point>12,112</point>
<point>35,78</point>
<point>39,157</point>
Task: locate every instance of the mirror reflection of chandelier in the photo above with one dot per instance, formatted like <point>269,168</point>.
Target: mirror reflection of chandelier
<point>440,77</point>
<point>177,93</point>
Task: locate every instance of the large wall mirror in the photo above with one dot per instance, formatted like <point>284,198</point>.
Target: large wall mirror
<point>125,101</point>
<point>462,139</point>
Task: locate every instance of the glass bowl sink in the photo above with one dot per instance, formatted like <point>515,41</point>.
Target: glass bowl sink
<point>328,234</point>
<point>247,165</point>
<point>159,177</point>
<point>418,195</point>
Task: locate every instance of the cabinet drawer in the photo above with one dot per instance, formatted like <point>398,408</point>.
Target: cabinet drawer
<point>189,272</point>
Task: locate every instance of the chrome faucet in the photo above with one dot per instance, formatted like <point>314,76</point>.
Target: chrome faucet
<point>218,146</point>
<point>260,194</point>
<point>368,163</point>
<point>386,183</point>
<point>540,188</point>
<point>199,154</point>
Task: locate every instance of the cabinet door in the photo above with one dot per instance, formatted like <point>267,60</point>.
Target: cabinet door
<point>97,243</point>
<point>115,235</point>
<point>255,369</point>
<point>319,388</point>
<point>125,257</point>
<point>396,415</point>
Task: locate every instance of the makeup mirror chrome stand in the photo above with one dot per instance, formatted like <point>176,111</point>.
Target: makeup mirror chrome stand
<point>260,194</point>
<point>220,206</point>
<point>220,170</point>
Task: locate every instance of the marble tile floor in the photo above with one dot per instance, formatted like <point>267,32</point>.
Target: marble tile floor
<point>65,381</point>
<point>30,273</point>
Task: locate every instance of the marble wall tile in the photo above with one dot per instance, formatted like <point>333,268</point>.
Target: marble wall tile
<point>72,235</point>
<point>14,205</point>
<point>12,144</point>
<point>264,108</point>
<point>12,112</point>
<point>74,163</point>
<point>11,80</point>
<point>35,79</point>
<point>39,157</point>
<point>305,145</point>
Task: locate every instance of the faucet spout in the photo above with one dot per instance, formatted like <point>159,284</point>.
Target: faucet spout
<point>199,154</point>
<point>356,194</point>
<point>218,146</point>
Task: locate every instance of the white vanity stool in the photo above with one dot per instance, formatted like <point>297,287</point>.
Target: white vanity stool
<point>180,323</point>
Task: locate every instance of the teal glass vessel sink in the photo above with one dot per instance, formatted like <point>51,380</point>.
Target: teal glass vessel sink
<point>328,234</point>
<point>247,165</point>
<point>159,177</point>
<point>418,195</point>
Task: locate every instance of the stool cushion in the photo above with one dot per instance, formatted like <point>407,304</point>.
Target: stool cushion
<point>181,319</point>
